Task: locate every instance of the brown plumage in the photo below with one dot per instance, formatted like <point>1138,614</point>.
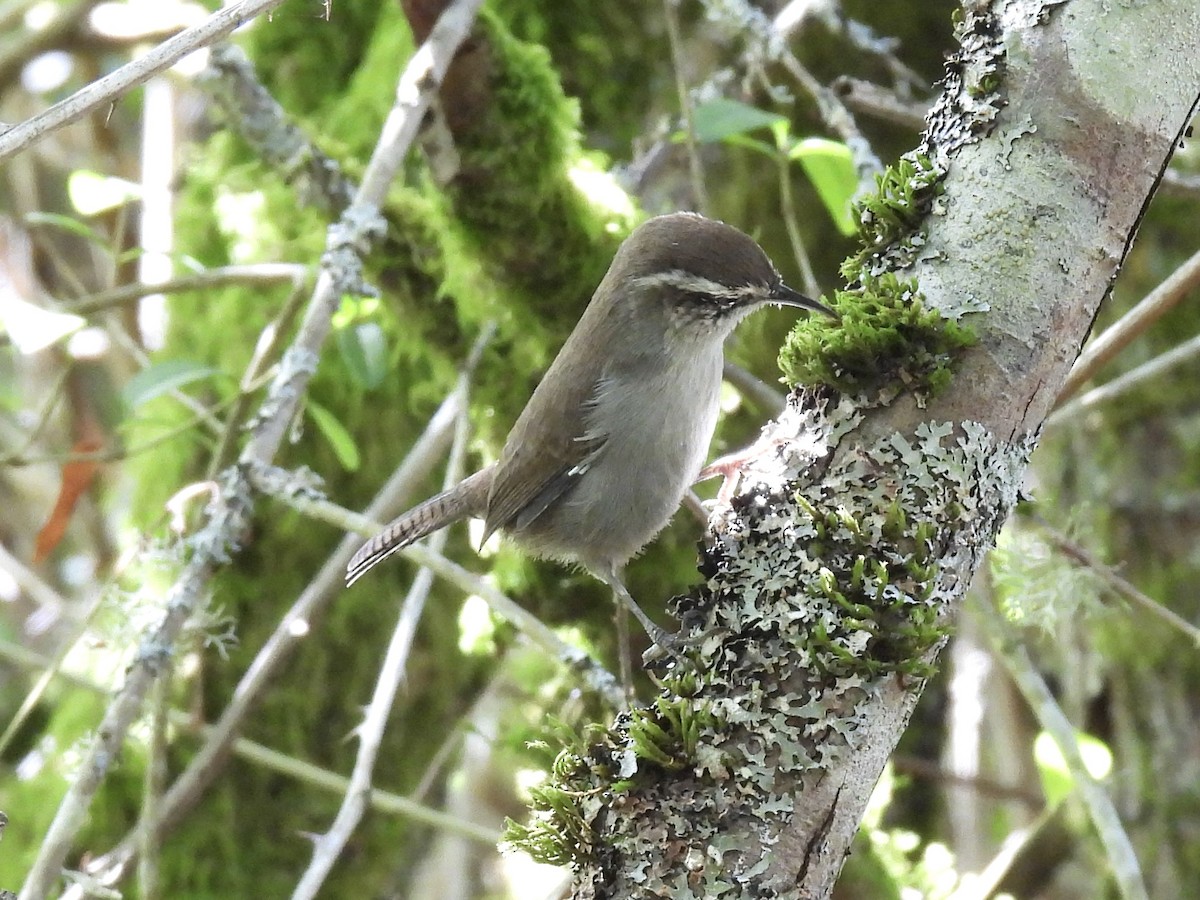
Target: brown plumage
<point>618,428</point>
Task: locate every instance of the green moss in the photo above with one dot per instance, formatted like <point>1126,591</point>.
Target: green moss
<point>608,55</point>
<point>596,766</point>
<point>887,339</point>
<point>514,204</point>
<point>884,596</point>
<point>667,732</point>
<point>558,832</point>
<point>306,60</point>
<point>903,196</point>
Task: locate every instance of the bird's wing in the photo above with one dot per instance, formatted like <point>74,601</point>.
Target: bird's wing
<point>541,459</point>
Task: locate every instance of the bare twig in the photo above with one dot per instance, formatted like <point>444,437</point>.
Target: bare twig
<point>1131,325</point>
<point>111,86</point>
<point>988,787</point>
<point>870,99</point>
<point>361,223</point>
<point>108,870</point>
<point>258,273</point>
<point>695,166</point>
<point>221,738</point>
<point>1123,862</point>
<point>117,452</point>
<point>280,484</point>
<point>791,222</point>
<point>1116,388</point>
<point>770,399</point>
<point>45,595</point>
<point>255,115</point>
<point>858,34</point>
<point>269,342</point>
<point>150,844</point>
<point>838,118</point>
<point>327,848</point>
<point>229,515</point>
<point>1116,583</point>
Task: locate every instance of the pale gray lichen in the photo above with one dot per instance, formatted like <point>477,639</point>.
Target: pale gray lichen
<point>829,580</point>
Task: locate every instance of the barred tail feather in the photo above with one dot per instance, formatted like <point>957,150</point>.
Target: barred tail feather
<point>467,498</point>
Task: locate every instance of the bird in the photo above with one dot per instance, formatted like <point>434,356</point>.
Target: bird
<point>618,428</point>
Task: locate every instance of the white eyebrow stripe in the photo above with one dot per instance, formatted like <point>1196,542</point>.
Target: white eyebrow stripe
<point>697,284</point>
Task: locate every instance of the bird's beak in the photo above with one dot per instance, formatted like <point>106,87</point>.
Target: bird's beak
<point>783,295</point>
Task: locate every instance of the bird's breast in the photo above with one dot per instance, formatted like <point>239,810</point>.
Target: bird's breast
<point>657,427</point>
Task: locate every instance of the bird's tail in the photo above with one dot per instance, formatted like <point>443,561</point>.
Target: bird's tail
<point>467,498</point>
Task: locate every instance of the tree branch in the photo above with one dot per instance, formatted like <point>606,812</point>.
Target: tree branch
<point>130,75</point>
<point>229,515</point>
<point>832,578</point>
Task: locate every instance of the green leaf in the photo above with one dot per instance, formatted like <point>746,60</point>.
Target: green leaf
<point>364,349</point>
<point>32,328</point>
<point>335,432</point>
<point>830,167</point>
<point>92,193</point>
<point>742,140</point>
<point>69,224</point>
<point>161,377</point>
<point>722,118</point>
<point>1057,779</point>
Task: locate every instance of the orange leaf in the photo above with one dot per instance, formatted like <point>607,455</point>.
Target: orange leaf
<point>77,478</point>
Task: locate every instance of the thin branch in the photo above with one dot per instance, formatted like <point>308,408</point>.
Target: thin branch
<point>220,740</point>
<point>770,399</point>
<point>258,118</point>
<point>153,781</point>
<point>1118,387</point>
<point>283,486</point>
<point>53,395</point>
<point>328,848</point>
<point>870,99</point>
<point>258,273</point>
<point>228,518</point>
<point>1117,584</point>
<point>1123,862</point>
<point>30,583</point>
<point>791,222</point>
<point>695,167</point>
<point>272,760</point>
<point>114,453</point>
<point>835,114</point>
<point>360,226</point>
<point>107,89</point>
<point>324,587</point>
<point>988,787</point>
<point>187,595</point>
<point>266,349</point>
<point>858,34</point>
<point>45,595</point>
<point>1131,325</point>
<point>770,44</point>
